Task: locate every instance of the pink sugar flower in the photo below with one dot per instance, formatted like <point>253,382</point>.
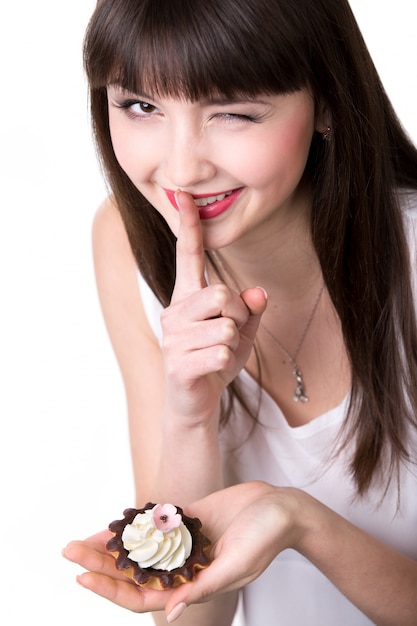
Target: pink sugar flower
<point>165,517</point>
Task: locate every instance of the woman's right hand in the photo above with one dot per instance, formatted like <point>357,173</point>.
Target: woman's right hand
<point>208,330</point>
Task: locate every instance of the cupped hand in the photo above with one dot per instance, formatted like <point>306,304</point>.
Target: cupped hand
<point>248,524</point>
<point>208,330</point>
<point>103,578</point>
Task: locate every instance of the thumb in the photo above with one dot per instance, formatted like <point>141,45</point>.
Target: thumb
<point>208,582</point>
<point>256,300</point>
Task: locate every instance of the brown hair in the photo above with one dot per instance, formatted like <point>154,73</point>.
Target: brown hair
<point>195,48</point>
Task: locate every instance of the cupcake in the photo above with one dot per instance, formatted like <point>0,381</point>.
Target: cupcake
<point>158,546</point>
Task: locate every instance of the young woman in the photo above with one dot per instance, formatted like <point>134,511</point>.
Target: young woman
<point>256,268</point>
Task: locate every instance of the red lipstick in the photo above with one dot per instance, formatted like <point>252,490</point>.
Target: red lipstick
<point>215,207</point>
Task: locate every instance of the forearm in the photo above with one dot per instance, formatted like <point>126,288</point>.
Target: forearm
<point>190,464</point>
<point>380,581</point>
<point>189,469</point>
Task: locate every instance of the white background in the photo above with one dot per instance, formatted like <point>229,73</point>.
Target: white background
<point>64,463</point>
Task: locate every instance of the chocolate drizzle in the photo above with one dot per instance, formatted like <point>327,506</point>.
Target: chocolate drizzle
<point>197,560</point>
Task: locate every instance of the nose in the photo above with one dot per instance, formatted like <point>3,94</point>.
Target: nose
<point>188,161</point>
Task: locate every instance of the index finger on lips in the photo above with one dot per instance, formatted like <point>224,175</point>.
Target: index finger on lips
<point>190,276</point>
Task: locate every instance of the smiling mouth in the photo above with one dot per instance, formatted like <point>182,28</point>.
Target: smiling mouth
<point>209,206</point>
<point>202,202</point>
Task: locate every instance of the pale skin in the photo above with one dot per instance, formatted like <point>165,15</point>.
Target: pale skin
<point>209,332</point>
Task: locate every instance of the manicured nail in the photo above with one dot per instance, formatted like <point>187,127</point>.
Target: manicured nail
<point>178,191</point>
<point>176,612</point>
<point>80,580</point>
<point>259,287</point>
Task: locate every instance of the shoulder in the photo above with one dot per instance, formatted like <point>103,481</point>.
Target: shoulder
<point>114,264</point>
<point>118,288</point>
<point>109,234</point>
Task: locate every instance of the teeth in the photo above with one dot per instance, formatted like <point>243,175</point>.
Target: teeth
<point>202,202</point>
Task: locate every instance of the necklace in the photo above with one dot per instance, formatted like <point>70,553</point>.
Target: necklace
<point>300,390</point>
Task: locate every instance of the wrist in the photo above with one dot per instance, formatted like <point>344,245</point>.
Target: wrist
<point>174,421</point>
<point>185,454</point>
<point>304,517</point>
<point>314,524</point>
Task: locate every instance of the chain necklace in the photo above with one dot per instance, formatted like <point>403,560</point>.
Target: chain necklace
<point>300,390</point>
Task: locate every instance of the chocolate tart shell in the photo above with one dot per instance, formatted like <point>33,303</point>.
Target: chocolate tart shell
<point>154,578</point>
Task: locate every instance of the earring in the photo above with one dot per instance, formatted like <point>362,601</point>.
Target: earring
<point>327,135</point>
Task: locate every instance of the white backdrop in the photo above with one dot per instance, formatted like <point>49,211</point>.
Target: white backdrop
<point>64,465</point>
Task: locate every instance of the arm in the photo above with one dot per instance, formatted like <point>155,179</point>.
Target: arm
<point>141,363</point>
<point>140,360</point>
<point>208,333</point>
<point>182,429</point>
<point>135,346</point>
<point>250,524</point>
<point>377,579</point>
<point>173,394</point>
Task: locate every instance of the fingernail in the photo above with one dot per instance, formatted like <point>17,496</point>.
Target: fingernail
<point>176,612</point>
<point>176,197</point>
<point>265,294</point>
<point>66,552</point>
<point>81,581</point>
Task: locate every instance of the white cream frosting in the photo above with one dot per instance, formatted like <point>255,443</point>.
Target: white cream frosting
<point>150,547</point>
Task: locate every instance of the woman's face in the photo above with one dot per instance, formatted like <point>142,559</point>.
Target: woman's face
<point>241,160</point>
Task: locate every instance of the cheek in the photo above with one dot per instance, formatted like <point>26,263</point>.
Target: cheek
<point>273,152</point>
<point>121,146</point>
<point>137,158</point>
<point>272,158</point>
<point>298,139</point>
<point>286,152</point>
<point>133,154</point>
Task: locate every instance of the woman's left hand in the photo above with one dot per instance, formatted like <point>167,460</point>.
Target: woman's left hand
<point>248,524</point>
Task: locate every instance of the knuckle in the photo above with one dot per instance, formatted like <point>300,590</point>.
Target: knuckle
<point>224,356</point>
<point>171,370</point>
<point>228,329</point>
<point>207,593</point>
<point>169,342</point>
<point>220,296</point>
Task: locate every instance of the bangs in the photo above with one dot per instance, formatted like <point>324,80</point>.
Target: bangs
<point>193,49</point>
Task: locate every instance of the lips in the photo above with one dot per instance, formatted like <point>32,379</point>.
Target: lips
<point>209,206</point>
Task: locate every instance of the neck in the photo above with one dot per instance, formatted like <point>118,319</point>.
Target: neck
<point>282,260</point>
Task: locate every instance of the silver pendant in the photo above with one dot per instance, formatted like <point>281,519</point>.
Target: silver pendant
<point>299,393</point>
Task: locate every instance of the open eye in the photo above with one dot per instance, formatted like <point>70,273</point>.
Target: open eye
<point>142,108</point>
<point>136,108</point>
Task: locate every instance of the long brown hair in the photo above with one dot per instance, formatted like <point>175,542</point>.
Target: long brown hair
<point>194,49</point>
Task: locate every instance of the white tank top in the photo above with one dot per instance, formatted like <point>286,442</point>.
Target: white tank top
<point>292,592</point>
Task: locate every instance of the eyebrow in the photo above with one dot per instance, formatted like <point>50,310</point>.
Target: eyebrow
<point>210,101</point>
<point>219,101</point>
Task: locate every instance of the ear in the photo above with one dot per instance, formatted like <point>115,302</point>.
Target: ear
<point>323,118</point>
